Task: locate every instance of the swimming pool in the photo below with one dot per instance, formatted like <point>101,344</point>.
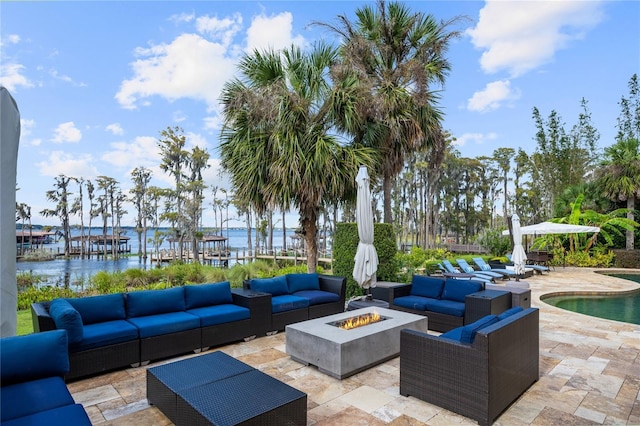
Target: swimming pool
<point>625,308</point>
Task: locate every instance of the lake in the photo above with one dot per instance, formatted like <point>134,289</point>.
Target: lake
<point>76,272</point>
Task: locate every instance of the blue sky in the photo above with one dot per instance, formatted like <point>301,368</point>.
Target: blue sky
<point>96,82</point>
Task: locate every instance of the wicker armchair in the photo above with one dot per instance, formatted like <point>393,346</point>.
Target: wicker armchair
<point>478,380</point>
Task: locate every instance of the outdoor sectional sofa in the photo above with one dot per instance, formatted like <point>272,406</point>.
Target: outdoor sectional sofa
<point>127,329</point>
<point>441,299</point>
<point>300,297</point>
<point>32,377</point>
<point>477,370</point>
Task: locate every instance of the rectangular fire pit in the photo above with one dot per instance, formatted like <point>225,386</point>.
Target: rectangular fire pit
<point>341,353</point>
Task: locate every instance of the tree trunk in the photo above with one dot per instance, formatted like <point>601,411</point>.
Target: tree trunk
<point>631,202</point>
<point>386,190</point>
<point>310,226</point>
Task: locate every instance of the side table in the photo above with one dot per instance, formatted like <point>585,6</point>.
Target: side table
<point>486,302</point>
<point>373,303</point>
<point>384,289</point>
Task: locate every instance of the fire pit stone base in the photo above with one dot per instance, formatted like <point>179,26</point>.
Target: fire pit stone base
<point>341,353</point>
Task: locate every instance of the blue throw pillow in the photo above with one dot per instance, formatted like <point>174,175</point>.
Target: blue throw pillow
<point>153,302</point>
<point>422,285</point>
<point>457,290</point>
<point>95,309</point>
<point>199,295</point>
<point>469,331</point>
<point>510,312</point>
<point>67,318</point>
<point>34,356</point>
<point>301,282</point>
<point>276,286</point>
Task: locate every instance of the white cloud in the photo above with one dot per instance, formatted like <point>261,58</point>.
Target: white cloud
<point>223,30</point>
<point>115,129</point>
<point>475,138</point>
<point>519,36</point>
<point>189,67</point>
<point>494,95</point>
<point>182,17</point>
<point>12,77</point>
<point>196,66</point>
<point>80,165</point>
<point>142,152</point>
<point>25,133</point>
<point>212,123</point>
<point>67,132</point>
<point>273,32</point>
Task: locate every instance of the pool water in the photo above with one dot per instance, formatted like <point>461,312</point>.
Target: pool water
<point>624,308</point>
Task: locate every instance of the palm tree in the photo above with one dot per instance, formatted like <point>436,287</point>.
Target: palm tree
<point>397,56</point>
<point>619,178</point>
<point>277,141</point>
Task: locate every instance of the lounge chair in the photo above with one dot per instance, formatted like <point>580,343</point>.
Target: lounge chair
<point>469,270</point>
<point>537,268</point>
<point>463,276</point>
<point>484,266</point>
<point>454,273</point>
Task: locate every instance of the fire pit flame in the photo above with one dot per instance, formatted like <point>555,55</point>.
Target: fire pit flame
<point>359,321</point>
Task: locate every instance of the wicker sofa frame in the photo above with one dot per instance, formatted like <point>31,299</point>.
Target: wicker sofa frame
<point>140,351</point>
<point>478,380</point>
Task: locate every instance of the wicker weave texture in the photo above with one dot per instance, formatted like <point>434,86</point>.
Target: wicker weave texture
<point>480,380</point>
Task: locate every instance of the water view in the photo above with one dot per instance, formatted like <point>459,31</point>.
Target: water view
<point>76,272</point>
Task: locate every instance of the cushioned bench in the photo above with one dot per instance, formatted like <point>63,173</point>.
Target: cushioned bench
<point>125,329</point>
<point>299,297</point>
<point>440,299</point>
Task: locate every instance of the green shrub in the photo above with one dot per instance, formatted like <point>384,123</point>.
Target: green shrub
<point>345,245</point>
<point>43,294</point>
<point>493,240</point>
<point>28,279</point>
<point>108,282</point>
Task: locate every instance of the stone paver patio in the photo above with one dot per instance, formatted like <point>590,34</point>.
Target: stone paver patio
<point>589,374</point>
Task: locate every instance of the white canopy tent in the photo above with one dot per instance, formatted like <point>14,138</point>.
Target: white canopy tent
<point>554,228</point>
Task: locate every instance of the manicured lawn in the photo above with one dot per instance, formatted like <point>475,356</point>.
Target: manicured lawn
<point>25,326</point>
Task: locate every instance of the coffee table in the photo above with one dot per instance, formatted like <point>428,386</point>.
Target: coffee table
<point>217,389</point>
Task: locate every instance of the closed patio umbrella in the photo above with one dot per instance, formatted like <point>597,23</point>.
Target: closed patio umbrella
<point>366,259</point>
<point>9,137</point>
<point>519,256</point>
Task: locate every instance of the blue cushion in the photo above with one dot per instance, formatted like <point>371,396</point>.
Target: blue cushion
<point>509,312</point>
<point>197,296</point>
<point>469,330</point>
<point>23,399</point>
<point>153,302</point>
<point>425,286</point>
<point>412,302</point>
<point>34,356</point>
<point>220,314</point>
<point>66,318</point>
<point>288,303</point>
<point>62,416</point>
<point>457,290</point>
<point>300,282</point>
<point>317,297</point>
<point>108,307</point>
<point>172,322</point>
<point>105,333</point>
<point>452,334</point>
<point>445,306</point>
<point>276,286</point>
